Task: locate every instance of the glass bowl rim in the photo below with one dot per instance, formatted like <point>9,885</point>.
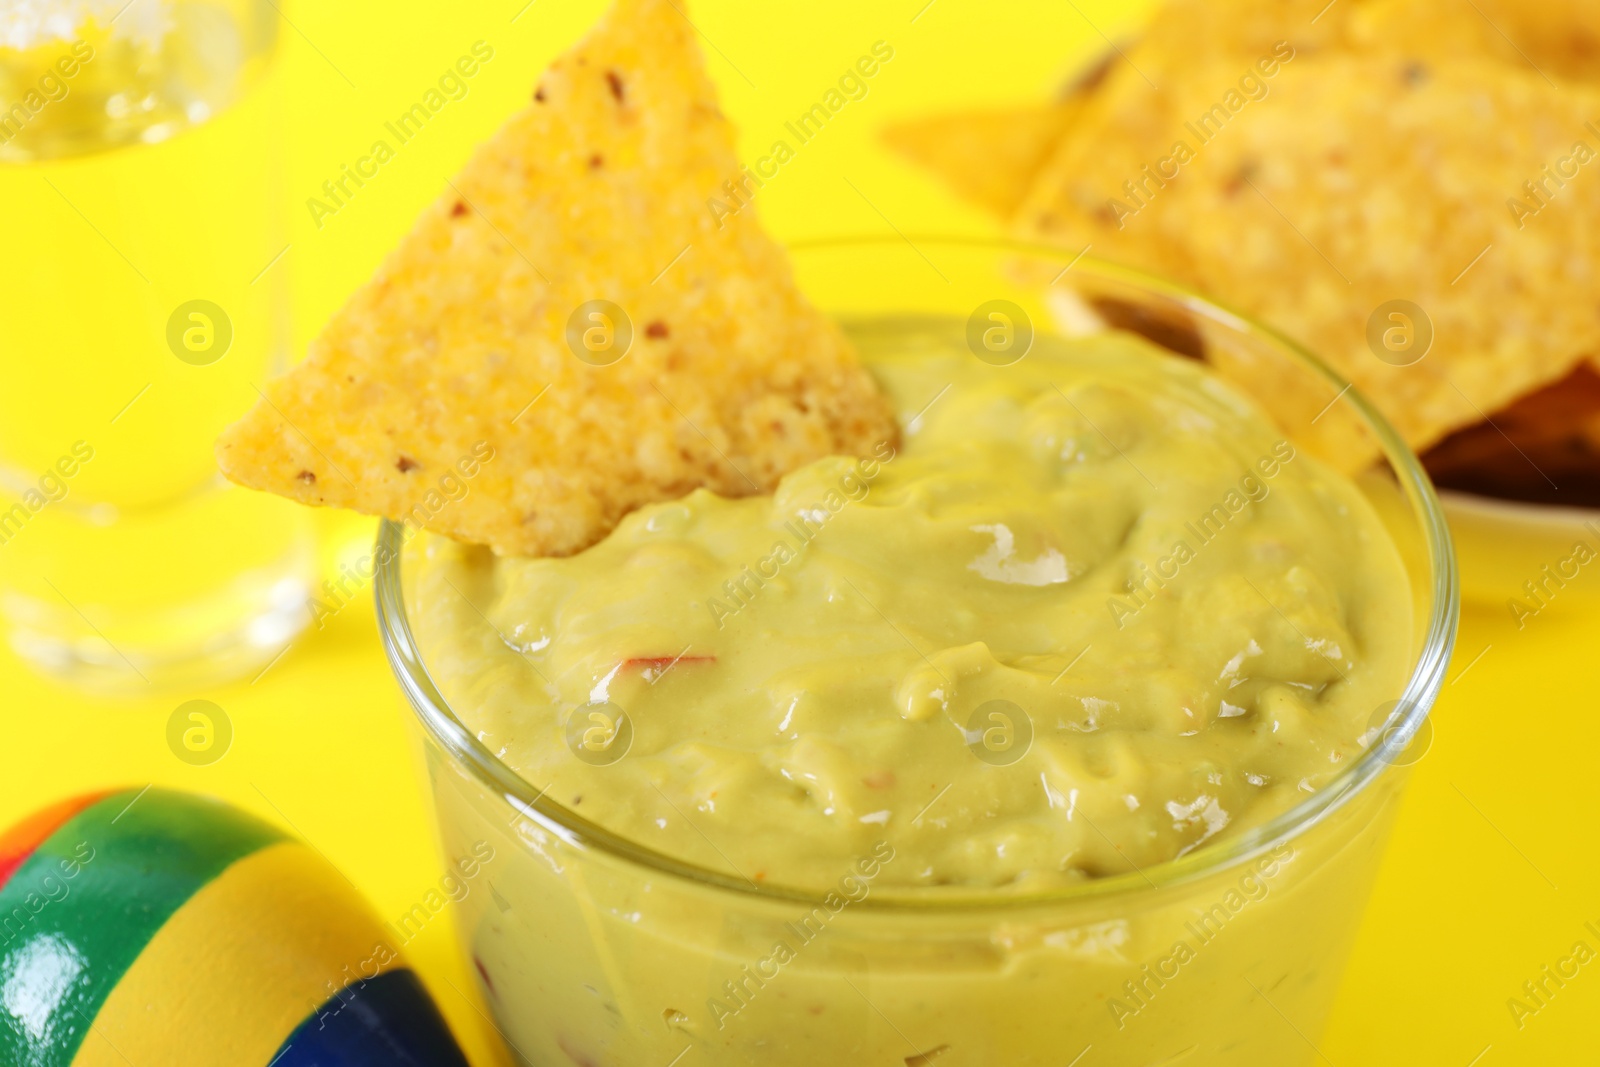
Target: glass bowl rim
<point>1422,687</point>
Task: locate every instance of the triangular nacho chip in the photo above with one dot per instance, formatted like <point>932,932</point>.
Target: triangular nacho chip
<point>988,157</point>
<point>476,348</point>
<point>1557,39</point>
<point>991,156</point>
<point>1180,31</point>
<point>1315,195</point>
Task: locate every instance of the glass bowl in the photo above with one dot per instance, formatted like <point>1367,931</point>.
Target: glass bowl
<point>594,951</point>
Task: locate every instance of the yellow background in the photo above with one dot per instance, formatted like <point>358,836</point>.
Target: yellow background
<point>1492,872</point>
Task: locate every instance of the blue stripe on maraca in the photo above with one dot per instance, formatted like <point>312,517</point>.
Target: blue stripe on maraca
<point>387,1021</point>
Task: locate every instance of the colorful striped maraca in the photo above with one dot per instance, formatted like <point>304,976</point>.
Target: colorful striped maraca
<point>160,928</point>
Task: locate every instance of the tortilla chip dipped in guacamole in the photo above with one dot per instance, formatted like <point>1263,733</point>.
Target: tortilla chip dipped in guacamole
<point>569,331</point>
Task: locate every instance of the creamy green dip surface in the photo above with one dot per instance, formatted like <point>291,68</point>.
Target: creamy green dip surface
<point>1194,621</point>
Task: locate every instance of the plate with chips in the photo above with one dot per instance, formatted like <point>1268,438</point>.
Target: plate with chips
<point>1412,190</point>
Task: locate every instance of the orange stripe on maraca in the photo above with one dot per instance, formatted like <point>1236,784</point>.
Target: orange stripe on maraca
<point>19,841</point>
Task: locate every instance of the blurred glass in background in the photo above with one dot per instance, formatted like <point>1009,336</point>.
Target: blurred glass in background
<point>143,300</point>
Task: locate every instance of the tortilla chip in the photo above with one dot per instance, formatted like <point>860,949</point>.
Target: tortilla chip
<point>1349,182</point>
<point>1425,31</point>
<point>608,186</point>
<point>1180,30</point>
<point>989,157</point>
<point>1560,38</point>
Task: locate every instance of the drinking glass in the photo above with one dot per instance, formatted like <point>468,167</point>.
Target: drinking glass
<point>142,304</point>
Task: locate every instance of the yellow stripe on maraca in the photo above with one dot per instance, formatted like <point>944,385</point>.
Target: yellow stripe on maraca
<point>250,955</point>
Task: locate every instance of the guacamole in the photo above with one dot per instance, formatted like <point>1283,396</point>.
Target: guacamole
<point>1094,611</point>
